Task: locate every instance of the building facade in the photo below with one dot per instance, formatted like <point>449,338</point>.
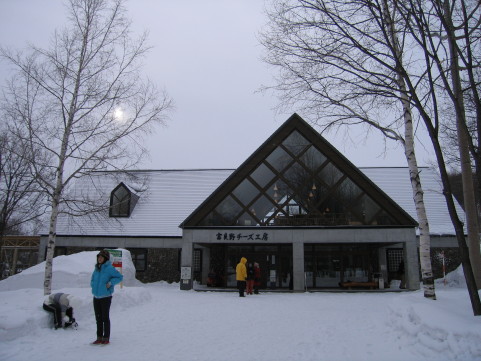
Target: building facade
<point>296,206</point>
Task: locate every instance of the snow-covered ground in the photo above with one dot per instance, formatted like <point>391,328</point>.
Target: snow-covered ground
<point>159,322</point>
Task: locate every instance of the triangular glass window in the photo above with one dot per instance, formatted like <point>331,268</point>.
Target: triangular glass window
<point>297,184</point>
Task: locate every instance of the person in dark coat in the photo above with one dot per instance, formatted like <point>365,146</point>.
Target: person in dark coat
<point>257,278</point>
<point>59,304</point>
<point>103,280</point>
<point>250,278</point>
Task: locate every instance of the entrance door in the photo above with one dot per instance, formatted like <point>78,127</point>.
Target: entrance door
<point>275,262</point>
<point>323,269</point>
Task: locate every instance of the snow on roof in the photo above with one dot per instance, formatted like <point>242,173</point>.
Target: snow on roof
<point>168,197</point>
<point>395,182</point>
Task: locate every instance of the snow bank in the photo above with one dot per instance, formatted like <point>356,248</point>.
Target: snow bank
<point>160,322</point>
<point>68,271</point>
<point>22,296</point>
<point>454,279</point>
<point>21,311</point>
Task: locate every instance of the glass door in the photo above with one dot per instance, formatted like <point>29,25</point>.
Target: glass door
<point>327,270</point>
<point>275,262</point>
<point>326,266</point>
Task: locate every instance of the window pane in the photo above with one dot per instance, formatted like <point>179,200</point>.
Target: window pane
<point>212,219</point>
<point>245,192</point>
<point>294,208</point>
<point>120,202</point>
<point>197,258</point>
<point>246,219</point>
<point>371,210</point>
<point>295,142</point>
<point>279,159</point>
<point>316,193</point>
<point>357,209</point>
<point>279,191</point>
<point>121,194</point>
<point>313,159</point>
<point>229,209</point>
<point>138,258</point>
<point>330,174</point>
<point>263,207</point>
<point>348,192</point>
<point>384,219</point>
<point>140,265</point>
<point>297,176</point>
<point>262,175</point>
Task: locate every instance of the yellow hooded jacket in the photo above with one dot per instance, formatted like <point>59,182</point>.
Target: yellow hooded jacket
<point>240,270</point>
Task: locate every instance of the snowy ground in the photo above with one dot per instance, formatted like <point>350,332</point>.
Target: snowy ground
<point>159,322</point>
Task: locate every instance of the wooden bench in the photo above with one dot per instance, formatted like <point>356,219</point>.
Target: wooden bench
<point>350,285</point>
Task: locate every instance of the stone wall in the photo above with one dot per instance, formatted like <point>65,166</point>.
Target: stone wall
<point>162,265</point>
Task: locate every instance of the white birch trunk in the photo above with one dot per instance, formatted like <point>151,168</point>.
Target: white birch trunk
<point>418,197</point>
<point>418,194</point>
<point>47,282</point>
<point>469,198</point>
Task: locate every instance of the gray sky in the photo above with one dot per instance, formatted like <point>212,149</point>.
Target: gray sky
<point>207,57</point>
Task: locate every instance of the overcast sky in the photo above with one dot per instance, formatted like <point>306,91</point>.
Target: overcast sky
<point>206,55</point>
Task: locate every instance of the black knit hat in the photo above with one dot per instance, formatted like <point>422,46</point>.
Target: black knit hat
<point>105,254</point>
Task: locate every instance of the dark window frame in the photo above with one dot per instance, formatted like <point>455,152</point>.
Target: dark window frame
<point>120,208</point>
<point>134,253</point>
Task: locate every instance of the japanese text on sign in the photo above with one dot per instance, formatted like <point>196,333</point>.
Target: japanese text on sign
<point>242,236</point>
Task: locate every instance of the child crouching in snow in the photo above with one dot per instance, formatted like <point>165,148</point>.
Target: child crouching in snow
<point>59,304</point>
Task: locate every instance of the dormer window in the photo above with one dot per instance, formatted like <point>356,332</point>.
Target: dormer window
<point>122,201</point>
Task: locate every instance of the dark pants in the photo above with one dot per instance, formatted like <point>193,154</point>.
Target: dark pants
<point>57,314</point>
<point>241,285</point>
<point>102,310</point>
<point>257,285</point>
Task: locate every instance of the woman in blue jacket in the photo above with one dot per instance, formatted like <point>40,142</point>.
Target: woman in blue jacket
<point>103,280</point>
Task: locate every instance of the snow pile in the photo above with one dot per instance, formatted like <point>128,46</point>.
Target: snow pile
<point>453,279</point>
<point>160,322</point>
<point>445,326</point>
<point>68,271</point>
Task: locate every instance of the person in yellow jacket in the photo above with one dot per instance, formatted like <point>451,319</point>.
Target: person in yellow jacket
<point>241,275</point>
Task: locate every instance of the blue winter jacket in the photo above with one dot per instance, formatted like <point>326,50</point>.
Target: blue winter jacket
<point>99,280</point>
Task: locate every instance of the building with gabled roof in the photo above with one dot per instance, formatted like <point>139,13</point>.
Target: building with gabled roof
<point>296,206</point>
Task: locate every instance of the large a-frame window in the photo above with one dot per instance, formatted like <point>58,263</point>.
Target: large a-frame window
<point>297,185</point>
<point>122,201</point>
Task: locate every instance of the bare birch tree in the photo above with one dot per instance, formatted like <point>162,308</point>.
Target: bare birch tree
<point>21,199</point>
<point>339,62</point>
<point>431,25</point>
<point>82,105</point>
<point>343,62</point>
<point>460,38</point>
